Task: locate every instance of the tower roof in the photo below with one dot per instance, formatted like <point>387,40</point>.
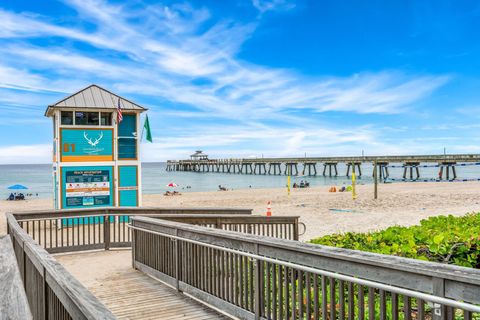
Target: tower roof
<point>94,97</point>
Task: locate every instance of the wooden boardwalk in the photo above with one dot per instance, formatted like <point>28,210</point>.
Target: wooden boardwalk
<point>130,294</point>
<point>137,296</point>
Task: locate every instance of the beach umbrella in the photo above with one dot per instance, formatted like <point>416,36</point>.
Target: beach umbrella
<point>173,185</point>
<point>17,187</point>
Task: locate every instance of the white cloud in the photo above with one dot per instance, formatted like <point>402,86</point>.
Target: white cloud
<point>273,5</point>
<point>25,154</point>
<point>177,53</point>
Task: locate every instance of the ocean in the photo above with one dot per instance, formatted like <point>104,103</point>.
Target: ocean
<point>38,178</point>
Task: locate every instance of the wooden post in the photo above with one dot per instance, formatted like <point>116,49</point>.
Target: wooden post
<point>177,261</point>
<point>375,180</point>
<point>295,230</point>
<point>258,284</point>
<point>44,293</point>
<point>134,258</point>
<point>106,231</point>
<point>439,311</point>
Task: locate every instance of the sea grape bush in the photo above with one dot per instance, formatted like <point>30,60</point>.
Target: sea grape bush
<point>444,239</point>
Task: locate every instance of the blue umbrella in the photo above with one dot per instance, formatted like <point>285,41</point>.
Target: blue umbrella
<point>17,187</point>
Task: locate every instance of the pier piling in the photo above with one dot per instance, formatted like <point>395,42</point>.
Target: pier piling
<point>410,167</point>
<point>351,166</point>
<point>448,166</point>
<point>330,165</point>
<point>307,168</point>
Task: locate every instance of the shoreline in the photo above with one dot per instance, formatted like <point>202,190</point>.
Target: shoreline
<point>323,212</point>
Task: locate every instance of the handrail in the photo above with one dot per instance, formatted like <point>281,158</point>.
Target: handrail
<point>297,266</point>
<point>378,285</point>
<point>51,291</point>
<point>223,217</point>
<point>88,231</point>
<point>130,211</point>
<point>391,158</point>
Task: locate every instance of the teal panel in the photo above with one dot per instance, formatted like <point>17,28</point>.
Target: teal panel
<point>55,190</point>
<point>128,126</point>
<point>128,198</point>
<point>88,186</point>
<point>128,176</point>
<point>86,220</point>
<point>127,133</point>
<point>93,220</point>
<point>87,142</point>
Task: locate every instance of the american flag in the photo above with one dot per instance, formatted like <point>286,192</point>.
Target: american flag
<point>119,112</point>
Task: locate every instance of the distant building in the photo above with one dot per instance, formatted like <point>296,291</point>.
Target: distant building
<point>96,159</point>
<point>199,155</point>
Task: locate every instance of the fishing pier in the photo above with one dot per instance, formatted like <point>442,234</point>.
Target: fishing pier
<point>325,166</point>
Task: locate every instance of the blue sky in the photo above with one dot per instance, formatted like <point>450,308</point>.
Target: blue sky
<point>250,77</point>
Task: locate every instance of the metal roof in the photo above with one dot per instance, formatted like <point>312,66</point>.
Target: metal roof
<point>198,153</point>
<point>94,97</point>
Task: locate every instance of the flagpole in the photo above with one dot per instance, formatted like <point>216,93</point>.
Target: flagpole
<point>143,128</point>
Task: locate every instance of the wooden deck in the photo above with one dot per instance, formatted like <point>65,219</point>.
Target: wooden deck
<point>130,294</point>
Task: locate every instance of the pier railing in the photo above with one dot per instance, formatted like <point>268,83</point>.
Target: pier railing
<point>256,277</point>
<point>79,230</point>
<point>51,291</point>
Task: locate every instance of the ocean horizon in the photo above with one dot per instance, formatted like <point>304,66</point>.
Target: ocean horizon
<point>38,178</point>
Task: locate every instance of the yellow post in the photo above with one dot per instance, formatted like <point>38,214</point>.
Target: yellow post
<point>354,193</point>
<point>288,185</point>
<point>289,169</point>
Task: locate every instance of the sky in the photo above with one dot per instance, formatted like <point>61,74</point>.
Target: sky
<point>250,78</point>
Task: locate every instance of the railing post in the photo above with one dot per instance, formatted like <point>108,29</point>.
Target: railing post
<point>295,230</point>
<point>439,311</point>
<point>45,300</point>
<point>133,247</point>
<point>106,231</point>
<point>177,261</point>
<point>258,284</point>
<point>24,269</point>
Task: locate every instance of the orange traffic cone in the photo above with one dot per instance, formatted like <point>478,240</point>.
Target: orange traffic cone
<point>269,209</point>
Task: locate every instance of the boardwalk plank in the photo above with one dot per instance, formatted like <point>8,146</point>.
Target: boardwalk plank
<point>134,295</point>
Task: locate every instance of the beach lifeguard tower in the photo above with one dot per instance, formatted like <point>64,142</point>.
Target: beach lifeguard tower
<point>96,151</point>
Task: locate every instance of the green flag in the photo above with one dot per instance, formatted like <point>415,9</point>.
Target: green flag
<point>146,126</point>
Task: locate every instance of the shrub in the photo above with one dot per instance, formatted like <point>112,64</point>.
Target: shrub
<point>444,239</point>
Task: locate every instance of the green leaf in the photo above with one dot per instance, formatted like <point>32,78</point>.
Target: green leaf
<point>438,238</point>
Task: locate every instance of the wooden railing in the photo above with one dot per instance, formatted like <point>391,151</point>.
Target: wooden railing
<point>82,230</point>
<point>52,293</point>
<point>13,301</point>
<point>257,277</point>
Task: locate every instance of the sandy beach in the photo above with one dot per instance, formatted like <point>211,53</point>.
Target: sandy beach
<point>398,204</point>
